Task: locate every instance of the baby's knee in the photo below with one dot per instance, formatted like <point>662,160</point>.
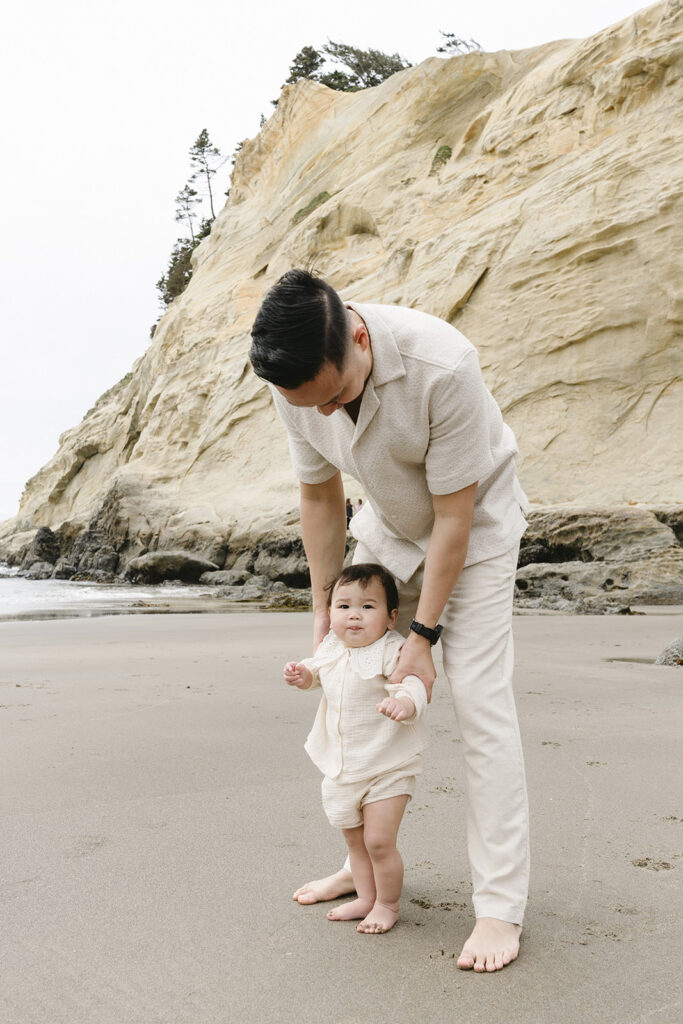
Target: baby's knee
<point>378,844</point>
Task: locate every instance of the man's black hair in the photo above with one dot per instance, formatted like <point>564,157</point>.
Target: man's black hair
<point>302,324</point>
<point>362,573</point>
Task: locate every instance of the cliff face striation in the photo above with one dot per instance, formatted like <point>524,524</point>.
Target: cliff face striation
<point>531,198</point>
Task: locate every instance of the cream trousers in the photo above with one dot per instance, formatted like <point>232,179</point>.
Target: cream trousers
<point>478,662</point>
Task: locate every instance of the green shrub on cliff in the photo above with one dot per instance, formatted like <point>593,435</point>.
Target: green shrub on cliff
<point>322,197</point>
<point>362,68</point>
<point>441,157</point>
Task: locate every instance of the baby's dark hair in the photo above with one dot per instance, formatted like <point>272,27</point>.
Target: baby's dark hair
<point>362,573</point>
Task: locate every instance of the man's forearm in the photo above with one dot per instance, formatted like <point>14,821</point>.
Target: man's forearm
<point>445,558</point>
<point>323,530</point>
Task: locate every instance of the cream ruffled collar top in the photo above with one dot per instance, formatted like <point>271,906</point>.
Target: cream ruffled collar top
<point>367,662</point>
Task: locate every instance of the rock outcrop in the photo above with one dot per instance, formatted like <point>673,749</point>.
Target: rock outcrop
<point>672,653</point>
<point>548,230</point>
<point>158,566</point>
<point>43,548</point>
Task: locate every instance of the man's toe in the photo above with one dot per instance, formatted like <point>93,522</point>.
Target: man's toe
<point>466,959</point>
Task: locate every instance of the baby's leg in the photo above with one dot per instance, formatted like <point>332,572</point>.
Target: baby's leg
<point>381,820</point>
<point>363,879</point>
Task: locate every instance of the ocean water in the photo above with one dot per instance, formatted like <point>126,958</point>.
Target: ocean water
<point>37,599</point>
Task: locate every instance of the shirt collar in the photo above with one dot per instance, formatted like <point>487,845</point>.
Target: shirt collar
<point>387,363</point>
<point>367,662</point>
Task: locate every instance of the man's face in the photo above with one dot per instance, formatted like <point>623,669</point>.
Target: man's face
<point>331,388</point>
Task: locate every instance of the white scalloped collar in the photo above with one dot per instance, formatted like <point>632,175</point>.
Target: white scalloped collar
<point>367,662</point>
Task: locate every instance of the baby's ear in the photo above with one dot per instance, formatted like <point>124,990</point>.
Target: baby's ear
<point>393,616</point>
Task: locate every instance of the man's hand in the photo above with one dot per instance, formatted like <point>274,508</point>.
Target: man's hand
<point>397,708</point>
<point>415,660</point>
<point>297,675</point>
<point>321,627</point>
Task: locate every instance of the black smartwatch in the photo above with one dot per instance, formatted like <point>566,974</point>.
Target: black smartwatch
<point>429,634</point>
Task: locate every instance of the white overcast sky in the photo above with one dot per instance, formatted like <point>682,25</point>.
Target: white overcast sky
<point>100,103</point>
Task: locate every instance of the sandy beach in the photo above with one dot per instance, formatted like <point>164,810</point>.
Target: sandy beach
<point>158,810</point>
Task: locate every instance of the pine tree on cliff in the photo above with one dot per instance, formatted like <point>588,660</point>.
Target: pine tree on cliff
<point>306,64</point>
<point>367,67</point>
<point>206,159</point>
<point>453,45</point>
<point>186,201</point>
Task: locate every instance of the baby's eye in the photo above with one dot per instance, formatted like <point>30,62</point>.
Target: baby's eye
<point>370,607</point>
<point>342,606</point>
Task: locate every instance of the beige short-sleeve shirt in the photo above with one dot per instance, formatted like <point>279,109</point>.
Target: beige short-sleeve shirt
<point>427,425</point>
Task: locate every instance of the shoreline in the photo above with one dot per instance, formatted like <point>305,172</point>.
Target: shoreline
<point>23,599</point>
<point>169,599</point>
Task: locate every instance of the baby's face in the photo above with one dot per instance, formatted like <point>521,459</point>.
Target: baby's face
<point>359,615</point>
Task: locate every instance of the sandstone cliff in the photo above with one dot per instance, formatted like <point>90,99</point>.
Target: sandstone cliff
<point>531,198</point>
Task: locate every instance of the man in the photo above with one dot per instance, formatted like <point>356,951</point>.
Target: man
<point>395,397</point>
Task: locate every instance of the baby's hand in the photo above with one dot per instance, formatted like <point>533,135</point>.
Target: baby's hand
<point>297,674</point>
<point>397,708</point>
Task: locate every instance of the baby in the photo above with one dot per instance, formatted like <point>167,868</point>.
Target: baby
<point>366,744</point>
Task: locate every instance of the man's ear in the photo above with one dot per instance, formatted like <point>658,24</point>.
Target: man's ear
<point>360,336</point>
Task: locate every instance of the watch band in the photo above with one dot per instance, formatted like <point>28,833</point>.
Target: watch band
<point>429,634</point>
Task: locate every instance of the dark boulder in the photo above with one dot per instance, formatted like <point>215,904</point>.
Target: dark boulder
<point>39,571</point>
<point>64,569</point>
<point>587,535</point>
<point>226,578</point>
<point>290,598</point>
<point>284,560</point>
<point>92,550</point>
<point>157,566</point>
<point>43,548</point>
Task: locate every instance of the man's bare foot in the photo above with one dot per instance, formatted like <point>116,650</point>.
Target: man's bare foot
<point>351,911</point>
<point>329,888</point>
<point>381,919</point>
<point>492,945</point>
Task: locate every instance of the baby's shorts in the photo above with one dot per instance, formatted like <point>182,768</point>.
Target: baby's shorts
<point>343,801</point>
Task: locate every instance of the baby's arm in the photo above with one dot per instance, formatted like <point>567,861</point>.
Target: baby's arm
<point>298,674</point>
<point>406,701</point>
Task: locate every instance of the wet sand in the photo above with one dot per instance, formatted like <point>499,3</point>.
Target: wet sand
<point>158,810</point>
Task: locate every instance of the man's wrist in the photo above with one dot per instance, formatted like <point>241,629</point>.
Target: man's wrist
<point>430,634</point>
<point>417,641</point>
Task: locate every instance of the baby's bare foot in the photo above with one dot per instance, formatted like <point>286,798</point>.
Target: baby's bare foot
<point>380,919</point>
<point>492,945</point>
<point>351,911</point>
<point>329,888</point>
